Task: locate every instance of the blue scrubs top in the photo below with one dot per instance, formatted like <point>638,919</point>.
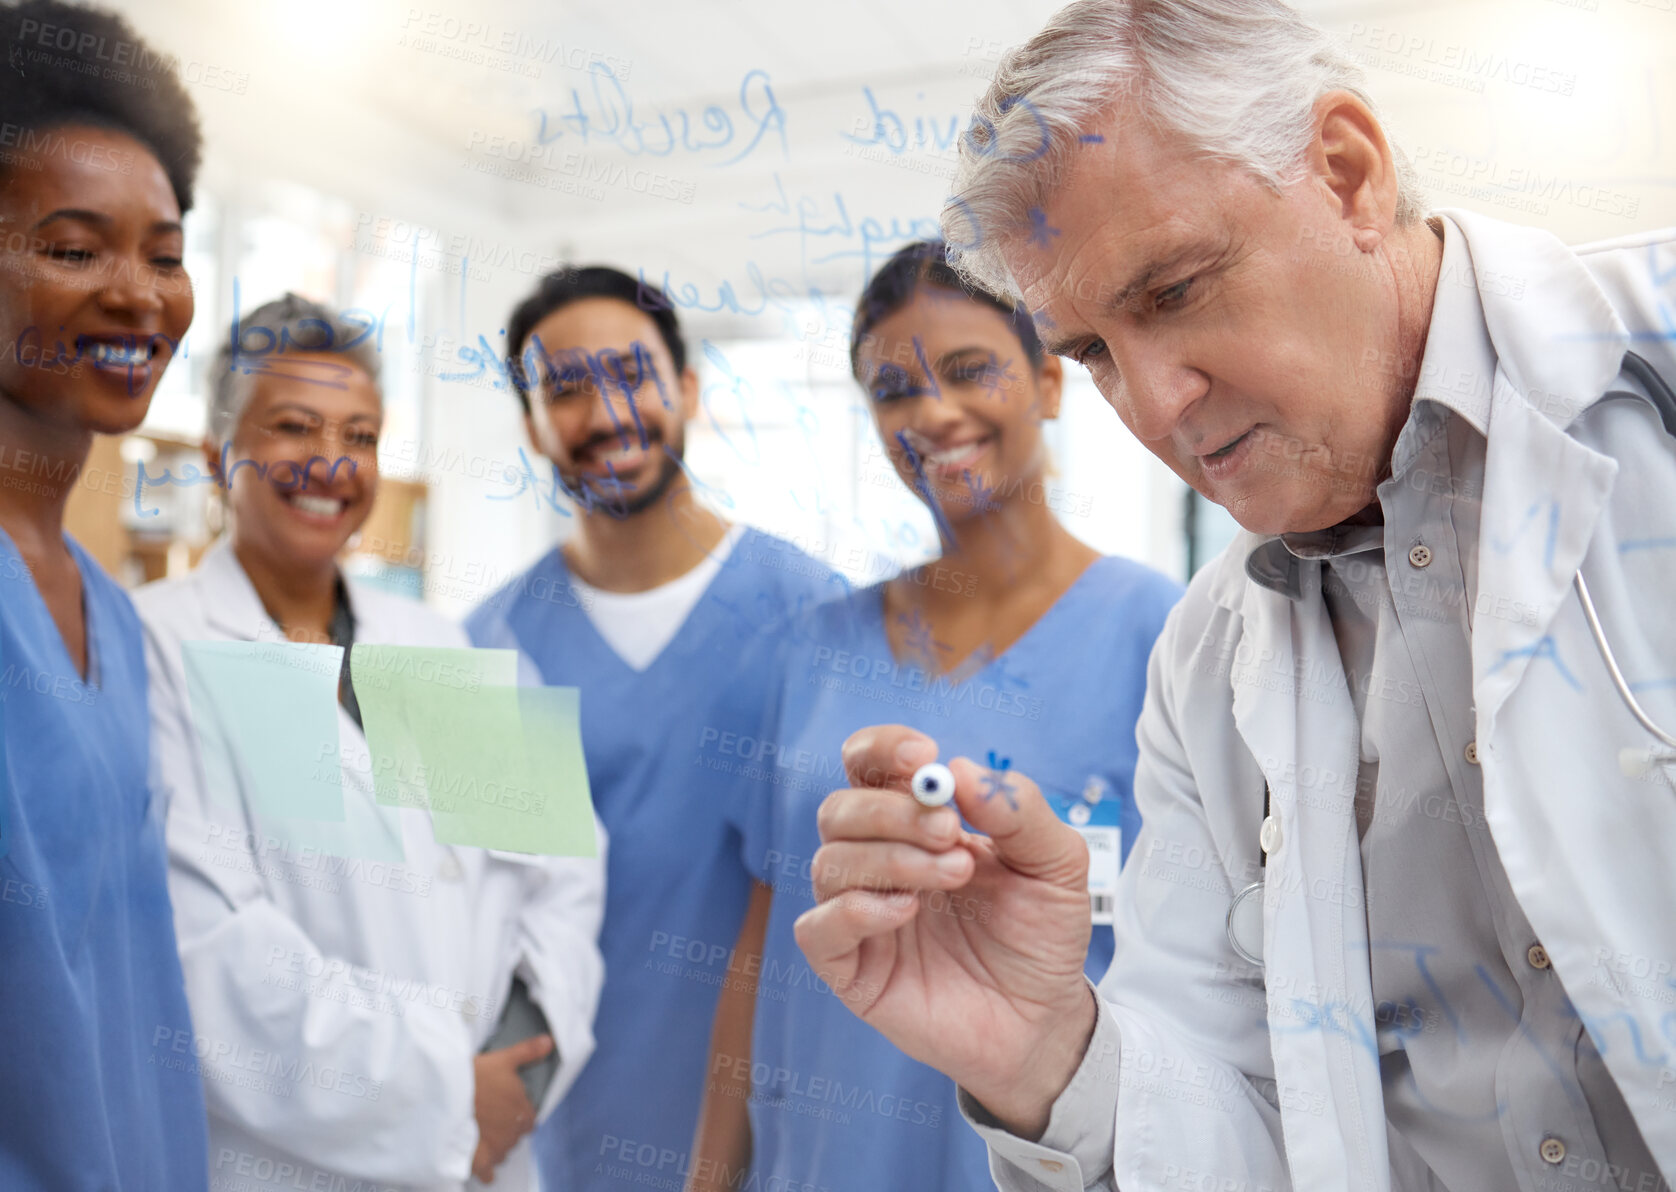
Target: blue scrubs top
<point>835,1106</point>
<point>675,888</point>
<point>99,1087</point>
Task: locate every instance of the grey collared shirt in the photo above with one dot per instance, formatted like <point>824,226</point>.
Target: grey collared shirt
<point>1490,1081</point>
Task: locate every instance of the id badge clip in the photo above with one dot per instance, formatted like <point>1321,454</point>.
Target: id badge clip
<point>1094,813</point>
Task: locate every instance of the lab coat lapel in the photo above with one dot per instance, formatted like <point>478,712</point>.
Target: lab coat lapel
<point>230,603</point>
<point>1544,493</point>
<point>1558,345</point>
<point>232,609</point>
<point>1319,985</point>
<point>1586,849</point>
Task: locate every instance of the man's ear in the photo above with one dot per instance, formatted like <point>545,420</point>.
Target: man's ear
<point>1050,387</point>
<point>1352,161</point>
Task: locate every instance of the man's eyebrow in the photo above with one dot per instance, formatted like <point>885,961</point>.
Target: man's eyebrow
<point>1060,347</point>
<point>1156,268</point>
<point>1144,279</point>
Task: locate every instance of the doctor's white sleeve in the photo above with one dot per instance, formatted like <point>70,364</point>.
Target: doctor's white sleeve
<point>1171,1092</point>
<point>559,958</point>
<point>293,1050</point>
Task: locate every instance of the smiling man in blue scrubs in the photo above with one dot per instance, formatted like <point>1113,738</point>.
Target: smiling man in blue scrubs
<point>651,609</point>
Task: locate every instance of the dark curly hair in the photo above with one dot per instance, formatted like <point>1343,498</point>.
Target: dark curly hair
<point>65,64</point>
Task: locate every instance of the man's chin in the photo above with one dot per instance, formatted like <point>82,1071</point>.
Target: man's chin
<point>1283,513</point>
<point>625,496</point>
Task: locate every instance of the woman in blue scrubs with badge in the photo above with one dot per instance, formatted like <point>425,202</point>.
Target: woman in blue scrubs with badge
<point>985,650</point>
<point>101,1088</point>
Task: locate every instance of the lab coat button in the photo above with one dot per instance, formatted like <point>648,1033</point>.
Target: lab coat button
<point>448,869</point>
<point>1472,753</point>
<point>1552,1151</point>
<point>1537,955</point>
<point>1420,555</point>
<point>1268,836</point>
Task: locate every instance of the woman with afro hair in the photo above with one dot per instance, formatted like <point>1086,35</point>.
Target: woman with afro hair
<point>99,145</point>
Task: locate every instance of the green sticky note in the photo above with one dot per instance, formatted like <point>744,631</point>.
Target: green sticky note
<point>498,766</point>
<point>398,689</point>
<point>267,725</point>
<point>542,803</point>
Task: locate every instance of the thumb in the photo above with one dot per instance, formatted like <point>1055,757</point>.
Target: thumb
<point>527,1051</point>
<point>1029,838</point>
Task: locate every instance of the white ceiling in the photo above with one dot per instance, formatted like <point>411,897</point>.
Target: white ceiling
<point>336,99</point>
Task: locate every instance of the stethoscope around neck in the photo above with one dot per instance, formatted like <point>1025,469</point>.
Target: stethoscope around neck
<point>1245,912</point>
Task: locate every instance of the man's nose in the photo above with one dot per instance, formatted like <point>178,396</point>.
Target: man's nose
<point>618,410</point>
<point>1156,390</point>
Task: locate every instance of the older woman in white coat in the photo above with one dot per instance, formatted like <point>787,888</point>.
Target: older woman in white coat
<point>341,1004</point>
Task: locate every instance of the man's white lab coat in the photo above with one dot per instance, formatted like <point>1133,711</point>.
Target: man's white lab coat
<point>338,1002</point>
<point>1579,472</point>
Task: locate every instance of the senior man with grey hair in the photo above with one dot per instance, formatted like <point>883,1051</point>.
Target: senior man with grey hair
<point>1400,915</point>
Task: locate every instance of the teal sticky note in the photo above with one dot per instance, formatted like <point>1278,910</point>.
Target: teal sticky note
<point>367,832</point>
<point>267,724</point>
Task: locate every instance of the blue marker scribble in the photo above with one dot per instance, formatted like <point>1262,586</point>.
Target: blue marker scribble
<point>1595,1027</point>
<point>191,475</point>
<point>1042,233</point>
<point>1420,953</point>
<point>739,387</point>
<point>614,120</point>
<point>1543,647</point>
<point>982,494</point>
<point>1504,545</point>
<point>943,527</point>
<point>996,781</point>
<point>900,142</point>
<point>919,643</point>
<point>997,374</point>
<point>868,241</point>
<point>1634,544</point>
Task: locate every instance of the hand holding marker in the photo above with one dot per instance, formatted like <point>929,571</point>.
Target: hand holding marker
<point>933,784</point>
